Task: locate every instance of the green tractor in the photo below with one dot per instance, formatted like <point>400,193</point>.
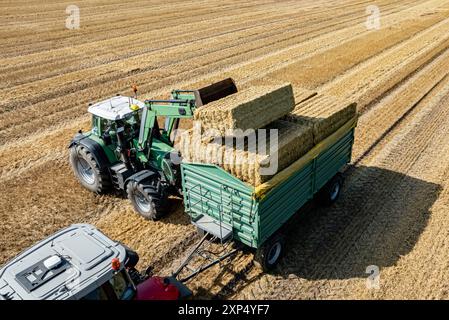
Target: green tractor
<point>126,150</point>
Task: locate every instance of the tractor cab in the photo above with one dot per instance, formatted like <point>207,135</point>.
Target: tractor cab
<point>81,263</point>
<point>113,113</point>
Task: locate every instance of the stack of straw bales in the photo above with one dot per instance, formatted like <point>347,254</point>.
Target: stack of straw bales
<point>252,157</point>
<point>249,158</point>
<point>324,113</point>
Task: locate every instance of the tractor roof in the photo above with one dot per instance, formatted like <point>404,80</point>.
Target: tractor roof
<point>115,108</point>
<point>66,265</point>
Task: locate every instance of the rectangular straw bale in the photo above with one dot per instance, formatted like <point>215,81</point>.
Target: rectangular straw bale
<point>251,108</point>
<point>294,141</point>
<point>325,113</point>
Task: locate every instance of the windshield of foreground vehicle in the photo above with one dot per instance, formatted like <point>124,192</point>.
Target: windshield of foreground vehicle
<point>118,287</point>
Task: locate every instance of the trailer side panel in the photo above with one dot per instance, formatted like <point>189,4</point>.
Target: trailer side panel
<point>281,203</point>
<point>209,190</point>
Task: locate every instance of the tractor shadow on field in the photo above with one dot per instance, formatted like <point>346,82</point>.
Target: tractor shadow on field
<point>176,214</point>
<point>378,218</point>
<point>175,211</point>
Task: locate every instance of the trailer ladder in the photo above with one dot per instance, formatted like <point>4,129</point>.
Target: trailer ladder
<point>220,228</point>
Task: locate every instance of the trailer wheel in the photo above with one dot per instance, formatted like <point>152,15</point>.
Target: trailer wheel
<point>268,256</point>
<point>148,197</point>
<point>87,170</point>
<point>331,191</point>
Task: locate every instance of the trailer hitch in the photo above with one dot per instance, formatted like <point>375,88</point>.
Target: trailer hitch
<point>197,252</point>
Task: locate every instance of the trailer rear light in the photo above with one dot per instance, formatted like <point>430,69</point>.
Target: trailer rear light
<point>115,264</point>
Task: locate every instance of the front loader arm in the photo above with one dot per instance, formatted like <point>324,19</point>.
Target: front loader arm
<point>182,105</point>
<point>146,127</point>
<point>172,109</point>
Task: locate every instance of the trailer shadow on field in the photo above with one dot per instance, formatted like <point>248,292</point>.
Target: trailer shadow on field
<point>379,218</point>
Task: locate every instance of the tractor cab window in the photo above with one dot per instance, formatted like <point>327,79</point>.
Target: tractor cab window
<point>119,287</point>
<point>109,127</point>
<point>100,293</point>
<point>135,117</point>
<point>132,123</point>
<point>101,126</point>
<point>122,286</point>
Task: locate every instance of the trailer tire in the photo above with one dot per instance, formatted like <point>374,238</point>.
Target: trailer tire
<point>332,190</point>
<point>87,170</point>
<point>269,254</point>
<point>148,198</point>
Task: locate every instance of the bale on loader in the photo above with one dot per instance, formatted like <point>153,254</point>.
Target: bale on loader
<point>252,108</point>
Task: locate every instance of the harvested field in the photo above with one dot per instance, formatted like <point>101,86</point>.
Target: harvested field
<point>393,212</point>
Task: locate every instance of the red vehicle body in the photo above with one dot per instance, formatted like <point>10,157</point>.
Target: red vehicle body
<point>157,288</point>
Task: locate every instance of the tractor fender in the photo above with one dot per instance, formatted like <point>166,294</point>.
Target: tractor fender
<point>94,147</point>
<point>140,176</point>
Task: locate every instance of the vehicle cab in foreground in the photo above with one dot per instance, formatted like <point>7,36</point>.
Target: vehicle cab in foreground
<point>81,263</point>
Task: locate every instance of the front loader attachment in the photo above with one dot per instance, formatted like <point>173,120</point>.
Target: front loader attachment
<point>215,91</point>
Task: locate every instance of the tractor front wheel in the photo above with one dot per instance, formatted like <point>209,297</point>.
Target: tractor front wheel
<point>87,170</point>
<point>149,198</point>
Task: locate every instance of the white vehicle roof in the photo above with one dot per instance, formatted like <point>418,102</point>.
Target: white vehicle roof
<point>67,265</point>
<point>115,108</point>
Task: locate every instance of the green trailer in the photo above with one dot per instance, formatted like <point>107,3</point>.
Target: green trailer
<point>230,209</point>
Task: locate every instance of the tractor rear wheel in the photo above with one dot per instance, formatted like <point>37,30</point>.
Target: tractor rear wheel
<point>87,170</point>
<point>149,198</point>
